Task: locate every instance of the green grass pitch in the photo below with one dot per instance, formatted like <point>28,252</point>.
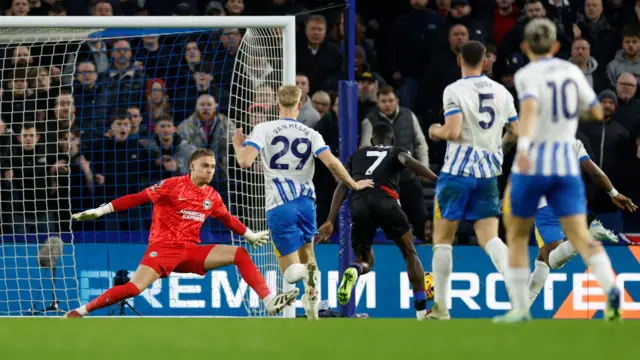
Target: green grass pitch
<point>300,339</point>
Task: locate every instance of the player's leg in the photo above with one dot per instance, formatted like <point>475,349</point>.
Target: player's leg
<point>156,263</point>
<point>567,202</point>
<point>363,229</point>
<point>202,259</point>
<point>415,273</point>
<point>484,208</point>
<point>450,202</point>
<point>520,204</point>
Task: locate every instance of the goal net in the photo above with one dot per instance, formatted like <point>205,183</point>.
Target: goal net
<point>108,108</point>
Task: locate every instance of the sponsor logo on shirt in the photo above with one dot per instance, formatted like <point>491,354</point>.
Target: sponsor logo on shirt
<point>192,215</point>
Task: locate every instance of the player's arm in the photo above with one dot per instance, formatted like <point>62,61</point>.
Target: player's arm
<point>452,127</point>
<point>415,166</point>
<point>234,224</point>
<point>510,137</point>
<point>325,231</point>
<point>421,148</point>
<point>246,151</point>
<point>119,204</point>
<point>602,180</point>
<point>338,170</point>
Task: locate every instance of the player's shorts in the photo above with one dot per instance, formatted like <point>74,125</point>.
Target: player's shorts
<point>292,224</point>
<point>565,195</point>
<point>376,209</point>
<point>165,259</point>
<point>466,198</point>
<point>547,228</point>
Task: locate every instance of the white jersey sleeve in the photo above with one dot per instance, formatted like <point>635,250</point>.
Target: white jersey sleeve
<point>526,85</point>
<point>451,102</point>
<point>257,137</point>
<point>581,151</point>
<point>317,143</point>
<point>587,96</point>
<point>512,113</point>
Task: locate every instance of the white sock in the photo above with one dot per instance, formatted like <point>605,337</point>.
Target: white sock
<point>268,298</point>
<point>499,254</point>
<point>295,273</point>
<point>420,314</point>
<point>561,255</point>
<point>442,268</point>
<point>537,279</point>
<point>82,310</point>
<point>601,268</point>
<point>516,280</point>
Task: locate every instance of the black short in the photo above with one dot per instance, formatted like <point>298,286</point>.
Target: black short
<point>368,213</point>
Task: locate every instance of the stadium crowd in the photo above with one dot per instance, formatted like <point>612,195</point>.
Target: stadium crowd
<point>83,122</point>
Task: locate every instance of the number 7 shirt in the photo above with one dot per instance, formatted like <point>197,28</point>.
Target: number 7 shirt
<point>286,147</point>
<point>486,107</point>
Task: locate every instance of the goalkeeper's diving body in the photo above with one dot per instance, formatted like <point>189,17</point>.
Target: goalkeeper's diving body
<point>181,205</point>
<point>379,207</point>
<point>286,147</point>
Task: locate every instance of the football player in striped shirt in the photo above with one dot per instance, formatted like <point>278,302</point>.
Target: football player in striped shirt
<point>477,109</point>
<point>286,147</point>
<point>553,94</point>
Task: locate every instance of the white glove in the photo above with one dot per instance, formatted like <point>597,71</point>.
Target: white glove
<point>256,239</point>
<point>94,213</point>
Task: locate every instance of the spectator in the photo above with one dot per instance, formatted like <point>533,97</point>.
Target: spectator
<point>608,140</point>
<point>230,40</point>
<point>26,171</point>
<point>94,51</point>
<point>174,151</point>
<point>308,114</point>
<point>505,17</point>
<point>18,8</point>
<point>234,7</point>
<point>18,104</point>
<point>152,55</point>
<point>138,129</point>
<point>214,8</point>
<point>409,45</point>
<point>102,8</point>
<point>581,57</point>
<point>63,117</point>
<point>628,106</point>
<point>408,135</point>
<point>461,14</point>
<point>46,88</point>
<point>85,92</point>
<point>318,59</point>
<point>124,84</point>
<point>39,8</point>
<point>628,58</point>
<point>201,83</point>
<point>367,96</point>
<point>337,38</point>
<point>443,71</point>
<point>594,26</point>
<point>207,128</point>
<point>321,103</point>
<point>158,105</point>
<point>123,165</point>
<point>324,181</point>
<point>491,60</point>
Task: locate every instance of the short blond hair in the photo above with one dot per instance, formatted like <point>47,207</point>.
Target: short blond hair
<point>289,96</point>
<point>540,35</point>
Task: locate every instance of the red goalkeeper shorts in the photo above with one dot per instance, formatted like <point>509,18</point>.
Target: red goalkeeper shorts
<point>165,259</point>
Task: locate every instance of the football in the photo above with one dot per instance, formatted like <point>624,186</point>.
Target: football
<point>428,285</point>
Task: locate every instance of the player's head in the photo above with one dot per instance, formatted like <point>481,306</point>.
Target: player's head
<point>202,164</point>
<point>540,39</point>
<point>382,134</point>
<point>473,56</point>
<point>289,100</point>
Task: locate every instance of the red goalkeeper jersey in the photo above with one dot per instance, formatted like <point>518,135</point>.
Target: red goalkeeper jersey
<point>179,210</point>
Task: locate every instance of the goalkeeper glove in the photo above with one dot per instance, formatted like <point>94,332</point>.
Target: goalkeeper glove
<point>94,213</point>
<point>256,239</point>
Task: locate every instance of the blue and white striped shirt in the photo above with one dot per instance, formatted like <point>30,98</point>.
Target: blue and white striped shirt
<point>286,149</point>
<point>486,107</point>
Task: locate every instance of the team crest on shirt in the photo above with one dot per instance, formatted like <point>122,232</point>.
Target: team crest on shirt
<point>153,254</point>
<point>207,204</point>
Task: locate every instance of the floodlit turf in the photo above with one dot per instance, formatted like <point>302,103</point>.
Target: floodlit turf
<point>351,339</point>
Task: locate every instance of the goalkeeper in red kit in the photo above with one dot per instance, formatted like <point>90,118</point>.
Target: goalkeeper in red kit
<point>181,205</point>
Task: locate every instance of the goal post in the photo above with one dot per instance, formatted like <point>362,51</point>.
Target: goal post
<point>44,269</point>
